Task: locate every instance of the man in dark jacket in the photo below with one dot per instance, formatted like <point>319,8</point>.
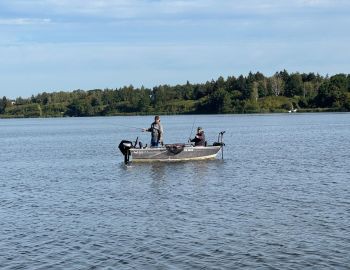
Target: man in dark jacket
<point>199,140</point>
<point>156,130</point>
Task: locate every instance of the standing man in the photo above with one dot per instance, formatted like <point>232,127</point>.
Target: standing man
<point>156,130</point>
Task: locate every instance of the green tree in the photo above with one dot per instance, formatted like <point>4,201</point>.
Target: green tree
<point>259,77</point>
<point>144,101</point>
<point>79,107</point>
<point>187,91</point>
<point>3,104</point>
<point>284,75</point>
<point>339,82</point>
<point>294,86</point>
<point>254,93</point>
<point>199,92</point>
<point>330,95</point>
<point>242,86</point>
<point>231,84</point>
<point>219,101</point>
<point>220,83</point>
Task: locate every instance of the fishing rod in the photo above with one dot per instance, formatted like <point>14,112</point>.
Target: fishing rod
<point>138,128</point>
<point>194,121</point>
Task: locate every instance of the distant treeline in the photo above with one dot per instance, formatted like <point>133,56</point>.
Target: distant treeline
<point>254,93</point>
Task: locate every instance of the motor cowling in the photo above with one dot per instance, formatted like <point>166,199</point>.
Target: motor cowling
<point>125,147</point>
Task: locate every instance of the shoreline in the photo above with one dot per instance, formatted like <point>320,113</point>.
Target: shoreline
<point>300,111</point>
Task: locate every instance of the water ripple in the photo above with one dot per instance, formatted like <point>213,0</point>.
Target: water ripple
<point>279,199</point>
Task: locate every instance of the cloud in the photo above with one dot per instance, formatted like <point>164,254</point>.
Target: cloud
<point>72,44</point>
<point>165,9</point>
<point>24,21</point>
<point>316,3</point>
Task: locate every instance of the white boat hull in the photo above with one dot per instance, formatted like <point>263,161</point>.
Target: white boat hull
<point>165,154</point>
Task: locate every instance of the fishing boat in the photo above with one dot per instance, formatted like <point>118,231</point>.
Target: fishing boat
<point>170,152</point>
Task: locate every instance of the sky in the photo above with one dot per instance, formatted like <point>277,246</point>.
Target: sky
<point>64,45</point>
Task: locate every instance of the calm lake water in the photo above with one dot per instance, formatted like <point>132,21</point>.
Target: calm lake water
<point>280,199</point>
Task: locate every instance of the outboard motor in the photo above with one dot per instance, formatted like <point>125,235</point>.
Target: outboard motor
<point>124,147</point>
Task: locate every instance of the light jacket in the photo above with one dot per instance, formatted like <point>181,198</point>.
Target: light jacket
<point>156,130</point>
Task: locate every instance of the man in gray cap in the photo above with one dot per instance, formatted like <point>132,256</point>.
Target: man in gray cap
<point>199,140</point>
<point>156,130</point>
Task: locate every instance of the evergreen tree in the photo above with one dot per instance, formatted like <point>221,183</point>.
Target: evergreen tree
<point>3,104</point>
<point>294,86</point>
